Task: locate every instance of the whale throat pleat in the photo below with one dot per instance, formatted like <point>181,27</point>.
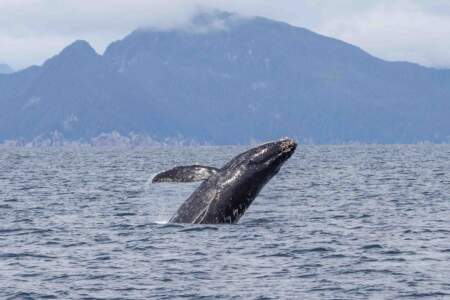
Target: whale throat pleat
<point>186,174</point>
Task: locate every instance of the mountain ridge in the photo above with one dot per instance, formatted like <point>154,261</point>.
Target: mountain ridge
<point>242,79</point>
<point>5,69</point>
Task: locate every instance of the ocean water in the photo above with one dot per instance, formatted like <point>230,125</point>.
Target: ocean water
<point>337,222</point>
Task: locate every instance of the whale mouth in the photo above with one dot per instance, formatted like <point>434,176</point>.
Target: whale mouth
<point>272,153</point>
<point>283,150</point>
<point>287,145</point>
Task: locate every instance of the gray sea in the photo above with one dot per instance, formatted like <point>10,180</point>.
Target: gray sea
<point>337,222</point>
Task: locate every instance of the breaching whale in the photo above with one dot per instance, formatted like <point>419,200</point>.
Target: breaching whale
<point>226,193</point>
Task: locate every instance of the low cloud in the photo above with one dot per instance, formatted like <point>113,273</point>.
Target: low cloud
<point>401,30</point>
<point>412,30</point>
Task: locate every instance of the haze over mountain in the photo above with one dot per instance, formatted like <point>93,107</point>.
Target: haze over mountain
<point>5,69</point>
<point>227,79</point>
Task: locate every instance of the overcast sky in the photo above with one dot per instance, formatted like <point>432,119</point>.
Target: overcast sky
<point>413,30</point>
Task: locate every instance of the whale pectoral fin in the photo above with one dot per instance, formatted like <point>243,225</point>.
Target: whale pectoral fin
<point>185,174</point>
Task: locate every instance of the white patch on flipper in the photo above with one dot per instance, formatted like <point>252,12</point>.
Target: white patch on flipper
<point>203,173</point>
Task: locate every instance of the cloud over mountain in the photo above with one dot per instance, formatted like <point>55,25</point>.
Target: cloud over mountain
<point>393,30</point>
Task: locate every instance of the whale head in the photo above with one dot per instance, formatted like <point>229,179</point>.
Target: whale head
<point>242,178</point>
<point>266,158</point>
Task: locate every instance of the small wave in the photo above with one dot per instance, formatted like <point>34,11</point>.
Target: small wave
<point>24,255</point>
<point>316,249</point>
<point>339,217</point>
<point>257,221</point>
<point>99,276</point>
<point>29,296</point>
<point>363,216</point>
<point>396,259</point>
<point>171,260</point>
<point>202,228</point>
<point>56,277</point>
<point>36,231</point>
<point>27,275</point>
<point>371,271</point>
<point>12,230</point>
<point>133,193</point>
<point>397,252</point>
<point>122,227</point>
<point>125,214</point>
<point>147,225</point>
<point>23,231</point>
<point>335,256</point>
<point>322,289</point>
<point>425,295</point>
<point>11,200</point>
<point>277,254</point>
<point>103,257</point>
<point>307,275</point>
<point>142,248</point>
<point>372,246</point>
<point>270,246</point>
<point>436,231</point>
<point>171,225</point>
<point>74,244</point>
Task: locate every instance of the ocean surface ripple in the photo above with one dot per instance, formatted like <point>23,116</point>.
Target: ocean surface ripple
<point>338,222</point>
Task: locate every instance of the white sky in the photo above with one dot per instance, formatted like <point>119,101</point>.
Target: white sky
<point>413,30</point>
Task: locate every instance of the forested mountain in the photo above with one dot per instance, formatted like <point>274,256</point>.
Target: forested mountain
<point>226,79</point>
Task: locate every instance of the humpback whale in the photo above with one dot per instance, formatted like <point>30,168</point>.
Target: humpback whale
<point>226,193</point>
